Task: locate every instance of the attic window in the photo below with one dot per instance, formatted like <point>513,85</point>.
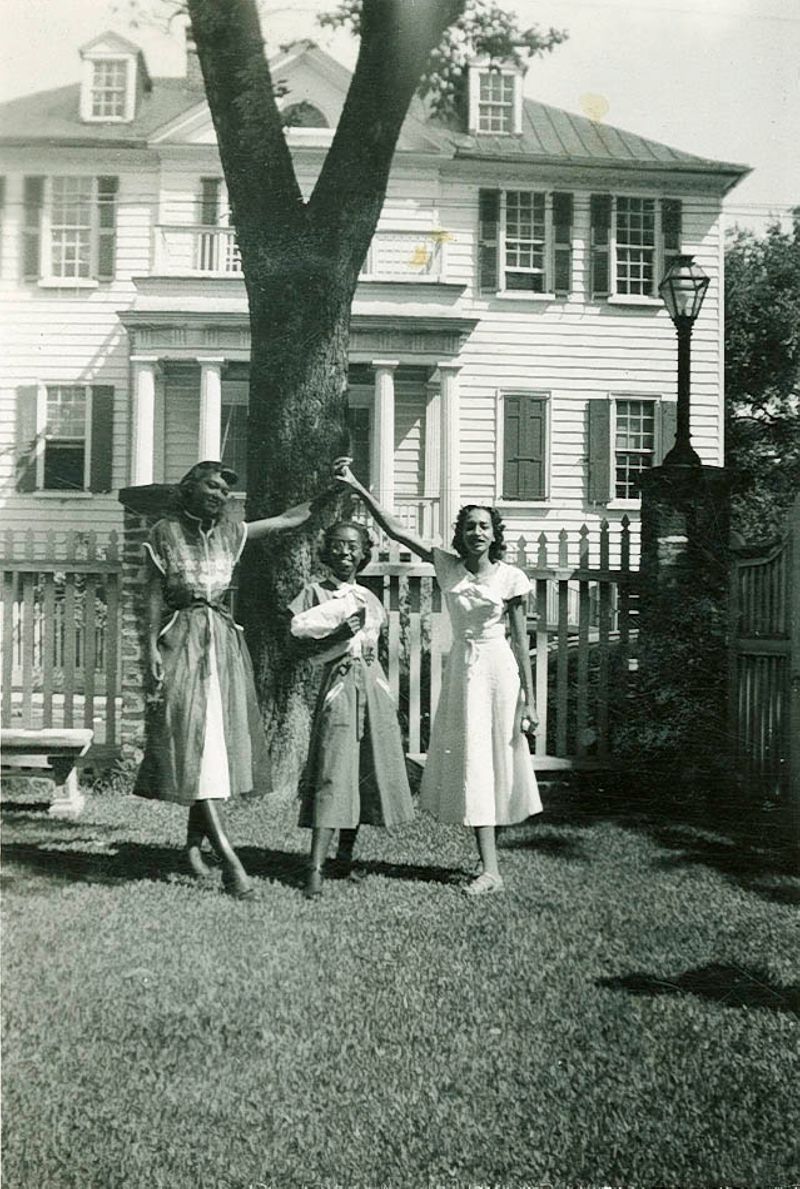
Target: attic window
<point>303,115</point>
<point>109,89</point>
<point>495,100</point>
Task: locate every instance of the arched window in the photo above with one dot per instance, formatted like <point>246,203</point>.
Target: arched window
<point>303,115</point>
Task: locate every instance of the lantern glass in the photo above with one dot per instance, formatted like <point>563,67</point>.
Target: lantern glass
<point>683,289</point>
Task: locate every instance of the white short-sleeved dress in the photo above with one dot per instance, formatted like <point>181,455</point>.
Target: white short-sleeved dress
<point>478,771</point>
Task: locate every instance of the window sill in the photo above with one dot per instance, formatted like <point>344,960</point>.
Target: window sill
<point>519,295</point>
<point>63,495</point>
<point>624,505</point>
<point>68,283</point>
<point>509,505</point>
<point>633,299</point>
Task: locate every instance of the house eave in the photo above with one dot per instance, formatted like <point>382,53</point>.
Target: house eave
<point>723,170</point>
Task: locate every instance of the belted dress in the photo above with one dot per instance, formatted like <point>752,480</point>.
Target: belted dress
<point>204,737</point>
<point>355,773</point>
<point>478,770</point>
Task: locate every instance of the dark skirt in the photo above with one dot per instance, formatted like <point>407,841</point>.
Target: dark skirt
<point>356,770</point>
<point>176,723</point>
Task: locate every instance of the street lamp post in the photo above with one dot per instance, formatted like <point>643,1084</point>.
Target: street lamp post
<point>682,291</point>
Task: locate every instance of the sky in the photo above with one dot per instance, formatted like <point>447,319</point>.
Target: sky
<point>720,78</point>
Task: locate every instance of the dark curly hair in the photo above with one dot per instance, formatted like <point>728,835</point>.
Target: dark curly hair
<point>361,529</point>
<point>498,546</point>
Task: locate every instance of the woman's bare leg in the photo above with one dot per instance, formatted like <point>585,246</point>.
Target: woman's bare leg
<point>487,848</point>
<point>234,875</point>
<point>320,841</point>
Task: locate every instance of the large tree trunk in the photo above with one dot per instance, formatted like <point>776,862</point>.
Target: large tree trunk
<point>296,426</point>
<point>301,262</point>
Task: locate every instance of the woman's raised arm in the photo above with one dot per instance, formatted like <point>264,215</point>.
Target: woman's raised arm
<point>389,523</point>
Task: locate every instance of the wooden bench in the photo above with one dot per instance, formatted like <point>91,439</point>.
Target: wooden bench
<point>49,752</point>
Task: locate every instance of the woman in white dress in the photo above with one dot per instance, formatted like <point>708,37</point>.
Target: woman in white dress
<point>478,770</point>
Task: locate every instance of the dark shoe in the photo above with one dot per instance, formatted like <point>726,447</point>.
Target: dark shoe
<point>313,888</point>
<point>197,863</point>
<point>238,887</point>
<point>342,867</point>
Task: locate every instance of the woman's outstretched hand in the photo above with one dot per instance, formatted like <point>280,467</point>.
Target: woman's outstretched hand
<point>342,472</point>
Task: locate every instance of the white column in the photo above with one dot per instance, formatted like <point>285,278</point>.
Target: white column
<point>143,418</point>
<point>209,438</point>
<point>432,475</point>
<point>450,474</point>
<point>383,432</point>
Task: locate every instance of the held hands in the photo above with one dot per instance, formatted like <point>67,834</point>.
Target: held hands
<point>342,472</point>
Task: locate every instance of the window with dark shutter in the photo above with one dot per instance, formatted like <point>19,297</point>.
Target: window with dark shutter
<point>107,188</point>
<point>27,401</point>
<point>599,451</point>
<point>210,190</point>
<point>102,437</point>
<point>562,243</point>
<point>32,199</point>
<point>667,429</point>
<point>488,224</point>
<point>671,229</point>
<point>524,446</point>
<point>600,206</point>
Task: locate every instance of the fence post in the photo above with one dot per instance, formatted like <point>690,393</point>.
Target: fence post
<point>142,507</point>
<point>683,615</point>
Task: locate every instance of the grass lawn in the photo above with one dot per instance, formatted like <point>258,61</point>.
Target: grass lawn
<point>626,1014</point>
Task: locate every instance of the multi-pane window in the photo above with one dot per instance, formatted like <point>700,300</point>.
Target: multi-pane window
<point>496,102</point>
<point>65,435</point>
<point>71,226</point>
<point>634,444</point>
<point>525,240</point>
<point>636,246</point>
<point>109,89</point>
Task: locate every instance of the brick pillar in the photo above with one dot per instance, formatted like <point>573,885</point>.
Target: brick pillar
<point>683,628</point>
<point>143,506</point>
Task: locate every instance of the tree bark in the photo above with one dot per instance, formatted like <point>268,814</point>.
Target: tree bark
<point>301,262</point>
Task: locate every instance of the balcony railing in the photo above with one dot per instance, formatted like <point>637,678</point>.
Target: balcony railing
<point>420,515</point>
<point>200,251</point>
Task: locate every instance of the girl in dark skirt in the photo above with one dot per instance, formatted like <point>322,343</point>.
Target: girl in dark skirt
<point>204,740</point>
<point>356,769</point>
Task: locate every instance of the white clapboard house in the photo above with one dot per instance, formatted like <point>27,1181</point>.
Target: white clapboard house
<point>508,303</point>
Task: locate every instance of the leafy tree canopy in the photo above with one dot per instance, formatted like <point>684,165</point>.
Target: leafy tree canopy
<point>762,370</point>
<point>483,30</point>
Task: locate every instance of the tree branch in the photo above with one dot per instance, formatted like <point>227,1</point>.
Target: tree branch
<point>262,186</point>
<point>397,39</point>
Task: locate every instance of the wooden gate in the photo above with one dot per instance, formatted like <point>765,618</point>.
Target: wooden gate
<point>60,634</point>
<point>765,662</point>
<point>582,628</point>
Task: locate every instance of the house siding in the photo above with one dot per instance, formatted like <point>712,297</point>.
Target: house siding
<point>574,350</point>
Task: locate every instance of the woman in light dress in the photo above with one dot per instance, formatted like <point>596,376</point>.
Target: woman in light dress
<point>478,770</point>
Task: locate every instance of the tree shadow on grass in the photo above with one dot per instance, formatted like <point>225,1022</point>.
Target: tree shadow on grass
<point>552,846</point>
<point>291,868</point>
<point>115,862</point>
<point>749,844</point>
<point>730,986</point>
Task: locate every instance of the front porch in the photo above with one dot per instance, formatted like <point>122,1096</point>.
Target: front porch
<point>189,392</point>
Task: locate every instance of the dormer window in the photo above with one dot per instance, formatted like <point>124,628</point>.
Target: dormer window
<point>495,100</point>
<point>114,79</point>
<point>109,89</point>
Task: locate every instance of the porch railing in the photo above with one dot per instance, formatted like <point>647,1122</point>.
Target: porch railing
<point>197,250</point>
